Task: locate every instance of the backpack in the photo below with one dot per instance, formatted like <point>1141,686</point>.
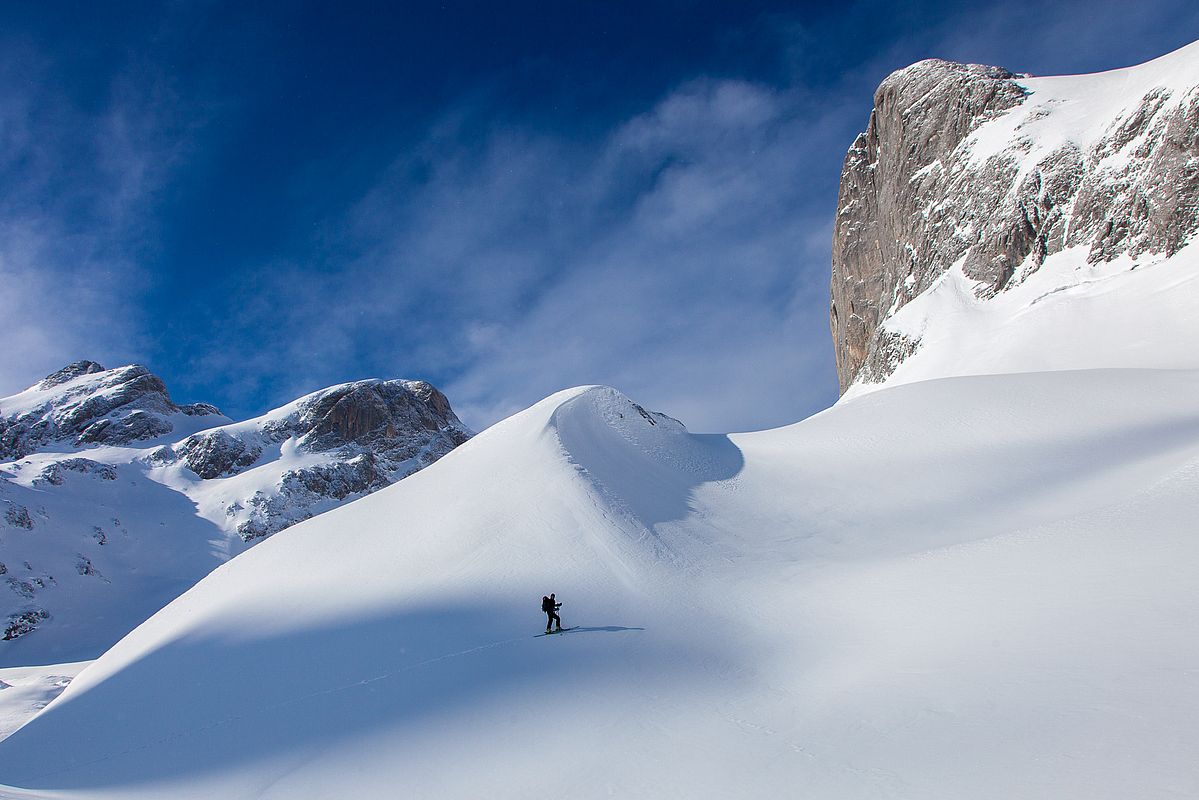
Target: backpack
<point>546,605</point>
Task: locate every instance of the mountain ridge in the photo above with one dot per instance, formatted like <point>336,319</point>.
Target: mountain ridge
<point>107,482</point>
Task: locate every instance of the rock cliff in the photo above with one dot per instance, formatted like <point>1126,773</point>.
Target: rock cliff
<point>976,168</point>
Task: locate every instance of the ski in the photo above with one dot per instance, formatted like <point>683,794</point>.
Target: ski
<point>560,630</point>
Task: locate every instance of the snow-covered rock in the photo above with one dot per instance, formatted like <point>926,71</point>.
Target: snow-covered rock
<point>84,404</point>
<point>348,440</point>
<point>971,182</point>
<point>113,499</point>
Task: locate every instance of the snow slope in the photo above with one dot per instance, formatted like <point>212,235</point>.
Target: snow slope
<point>975,587</point>
<point>24,691</point>
<point>1069,314</point>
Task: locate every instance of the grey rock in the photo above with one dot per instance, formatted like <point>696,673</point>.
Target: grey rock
<point>199,409</point>
<point>375,432</point>
<point>18,516</point>
<point>135,426</point>
<point>69,373</point>
<point>84,566</point>
<point>913,201</point>
<point>163,456</point>
<point>215,453</point>
<point>921,114</point>
<point>25,622</point>
<point>53,473</point>
<point>93,406</point>
<point>25,589</point>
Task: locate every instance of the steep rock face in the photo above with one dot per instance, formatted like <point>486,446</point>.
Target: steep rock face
<point>85,404</point>
<point>976,167</point>
<point>921,115</point>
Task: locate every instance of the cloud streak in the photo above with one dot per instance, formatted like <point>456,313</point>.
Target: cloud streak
<point>76,217</point>
<point>671,239</point>
<point>671,257</point>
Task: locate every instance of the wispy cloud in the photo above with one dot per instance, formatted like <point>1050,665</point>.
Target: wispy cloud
<point>679,255</point>
<point>76,216</point>
<point>677,249</point>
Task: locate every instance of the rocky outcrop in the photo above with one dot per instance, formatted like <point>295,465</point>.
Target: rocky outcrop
<point>24,622</point>
<point>216,453</point>
<point>17,516</point>
<point>69,373</point>
<point>393,420</point>
<point>881,242</point>
<point>84,404</point>
<point>54,473</point>
<point>922,190</point>
<point>374,433</point>
<point>175,490</point>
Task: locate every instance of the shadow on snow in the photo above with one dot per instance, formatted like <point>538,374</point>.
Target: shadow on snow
<point>203,704</point>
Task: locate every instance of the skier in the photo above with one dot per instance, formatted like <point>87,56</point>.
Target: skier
<point>550,607</point>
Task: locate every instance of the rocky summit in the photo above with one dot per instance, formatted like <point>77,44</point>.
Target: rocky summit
<point>370,433</point>
<point>84,404</point>
<point>114,498</point>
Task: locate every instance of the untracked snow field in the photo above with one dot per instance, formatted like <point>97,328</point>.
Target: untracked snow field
<point>24,691</point>
<point>975,587</point>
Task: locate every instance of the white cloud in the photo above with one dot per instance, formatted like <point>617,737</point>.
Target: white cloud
<point>672,258</point>
<point>76,218</point>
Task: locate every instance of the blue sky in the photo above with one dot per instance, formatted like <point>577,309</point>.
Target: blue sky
<point>259,200</point>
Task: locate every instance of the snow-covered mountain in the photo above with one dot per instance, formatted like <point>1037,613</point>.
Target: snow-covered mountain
<point>979,586</point>
<point>260,476</point>
<point>991,222</point>
<point>113,499</point>
<point>84,405</point>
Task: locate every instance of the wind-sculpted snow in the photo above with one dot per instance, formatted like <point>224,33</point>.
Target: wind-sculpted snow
<point>995,179</point>
<point>645,463</point>
<point>997,568</point>
<point>120,499</point>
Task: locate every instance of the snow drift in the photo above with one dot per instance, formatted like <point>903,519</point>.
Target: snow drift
<point>970,587</point>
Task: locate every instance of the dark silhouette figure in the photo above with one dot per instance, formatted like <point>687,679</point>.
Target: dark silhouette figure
<point>550,607</point>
